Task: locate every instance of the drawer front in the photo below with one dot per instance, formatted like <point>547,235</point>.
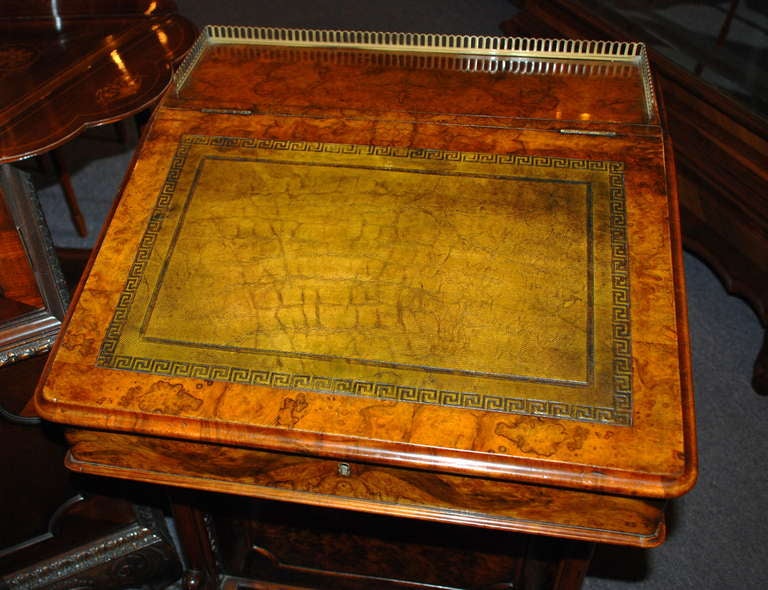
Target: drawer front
<point>371,488</point>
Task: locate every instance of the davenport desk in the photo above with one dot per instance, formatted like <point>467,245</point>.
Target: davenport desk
<point>391,310</point>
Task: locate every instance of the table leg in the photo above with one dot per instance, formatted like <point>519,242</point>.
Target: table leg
<point>62,172</point>
<point>556,564</point>
<point>198,545</point>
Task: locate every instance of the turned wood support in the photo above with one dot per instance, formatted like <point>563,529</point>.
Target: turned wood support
<point>556,563</point>
<point>196,537</point>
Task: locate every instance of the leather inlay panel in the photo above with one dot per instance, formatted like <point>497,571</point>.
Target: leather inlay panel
<point>408,287</point>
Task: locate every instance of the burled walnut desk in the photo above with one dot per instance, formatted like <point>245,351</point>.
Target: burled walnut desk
<point>435,279</point>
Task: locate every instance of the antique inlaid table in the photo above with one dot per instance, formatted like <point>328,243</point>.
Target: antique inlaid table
<point>396,310</point>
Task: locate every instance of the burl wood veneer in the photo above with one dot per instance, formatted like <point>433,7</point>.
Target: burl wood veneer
<point>424,276</point>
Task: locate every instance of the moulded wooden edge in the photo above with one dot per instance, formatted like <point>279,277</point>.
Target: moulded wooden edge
<point>79,124</point>
<point>661,485</point>
<point>91,451</point>
<point>345,448</point>
<point>687,478</point>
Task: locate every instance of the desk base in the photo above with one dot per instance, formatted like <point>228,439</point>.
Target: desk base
<point>260,545</point>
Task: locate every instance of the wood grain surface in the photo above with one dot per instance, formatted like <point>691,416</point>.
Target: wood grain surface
<point>484,503</point>
<point>67,66</point>
<point>596,112</point>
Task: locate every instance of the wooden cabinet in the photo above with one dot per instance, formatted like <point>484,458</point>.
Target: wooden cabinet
<point>393,291</point>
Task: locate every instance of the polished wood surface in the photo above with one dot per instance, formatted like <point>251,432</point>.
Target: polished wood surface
<point>489,503</point>
<point>68,65</point>
<point>310,204</point>
<point>720,148</point>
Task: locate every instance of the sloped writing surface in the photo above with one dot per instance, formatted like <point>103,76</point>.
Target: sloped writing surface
<point>455,278</point>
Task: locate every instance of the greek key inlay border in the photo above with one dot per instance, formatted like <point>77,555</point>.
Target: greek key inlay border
<point>619,413</point>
